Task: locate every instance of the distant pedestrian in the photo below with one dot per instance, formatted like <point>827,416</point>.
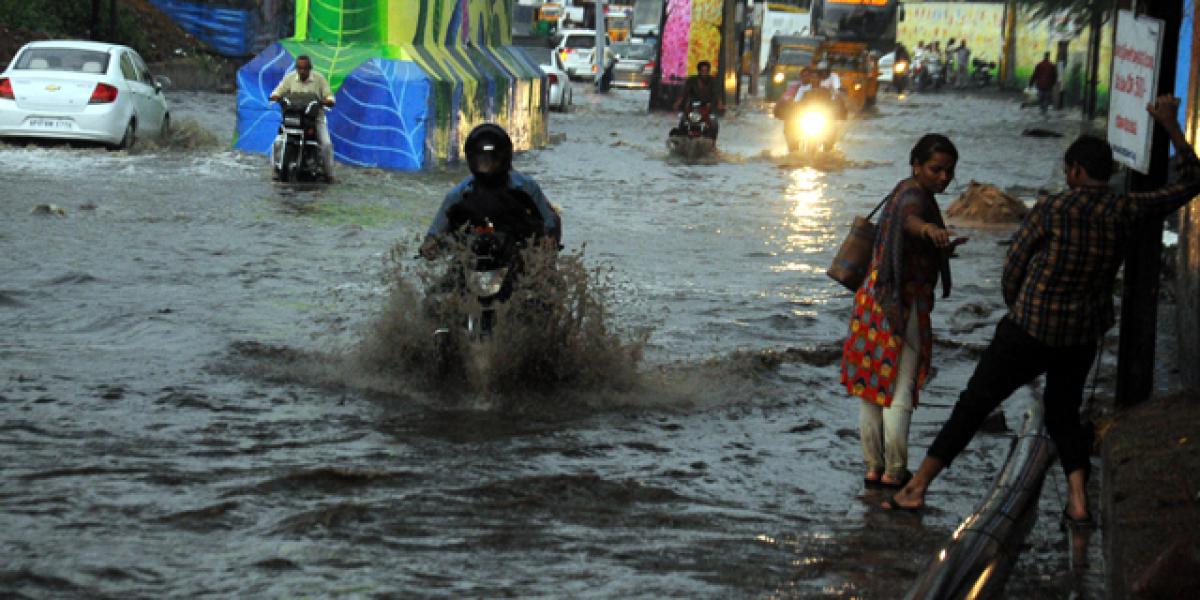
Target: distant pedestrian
<point>887,354</point>
<point>962,58</point>
<point>1058,285</point>
<point>1045,75</point>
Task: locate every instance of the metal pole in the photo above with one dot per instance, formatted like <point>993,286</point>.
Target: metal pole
<point>601,46</point>
<point>1143,262</point>
<point>755,47</point>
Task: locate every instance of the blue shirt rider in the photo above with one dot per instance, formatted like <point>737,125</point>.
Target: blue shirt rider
<point>495,194</point>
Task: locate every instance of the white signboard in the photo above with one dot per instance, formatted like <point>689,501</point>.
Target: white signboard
<point>1136,56</point>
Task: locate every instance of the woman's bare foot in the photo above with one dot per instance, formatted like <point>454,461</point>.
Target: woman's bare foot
<point>905,499</point>
<point>872,476</point>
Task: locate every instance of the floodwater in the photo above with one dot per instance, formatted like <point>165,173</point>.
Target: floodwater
<point>183,412</point>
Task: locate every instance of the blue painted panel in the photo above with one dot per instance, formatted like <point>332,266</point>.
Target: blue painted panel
<point>230,31</point>
<point>381,116</point>
<point>257,118</point>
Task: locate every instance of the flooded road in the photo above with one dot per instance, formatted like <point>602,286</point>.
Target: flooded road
<point>181,413</point>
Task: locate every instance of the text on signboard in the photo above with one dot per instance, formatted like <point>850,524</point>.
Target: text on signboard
<point>1133,55</point>
<point>1130,84</point>
<point>1128,125</point>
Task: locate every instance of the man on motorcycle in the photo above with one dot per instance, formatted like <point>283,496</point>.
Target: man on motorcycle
<point>704,87</point>
<point>494,194</point>
<point>829,78</point>
<point>304,81</point>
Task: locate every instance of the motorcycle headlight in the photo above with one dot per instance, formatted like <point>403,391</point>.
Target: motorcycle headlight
<point>813,123</point>
<point>486,284</point>
<point>694,117</point>
<point>779,78</point>
<point>900,67</point>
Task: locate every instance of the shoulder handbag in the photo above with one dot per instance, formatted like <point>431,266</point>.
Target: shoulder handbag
<point>853,258</point>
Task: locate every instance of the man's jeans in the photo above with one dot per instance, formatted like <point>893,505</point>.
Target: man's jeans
<point>1044,97</point>
<point>1013,359</point>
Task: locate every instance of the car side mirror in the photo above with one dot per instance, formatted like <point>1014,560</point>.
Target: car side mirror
<point>162,82</point>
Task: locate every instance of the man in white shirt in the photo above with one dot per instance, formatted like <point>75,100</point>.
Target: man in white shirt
<point>304,81</point>
<point>829,78</point>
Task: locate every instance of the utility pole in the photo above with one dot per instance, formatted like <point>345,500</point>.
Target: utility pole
<point>112,20</point>
<point>94,30</point>
<point>601,35</point>
<point>1143,261</point>
<point>1008,56</point>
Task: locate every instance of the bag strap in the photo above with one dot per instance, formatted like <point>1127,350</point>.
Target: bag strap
<point>886,198</point>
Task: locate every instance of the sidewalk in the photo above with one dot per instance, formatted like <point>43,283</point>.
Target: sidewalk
<point>1150,504</point>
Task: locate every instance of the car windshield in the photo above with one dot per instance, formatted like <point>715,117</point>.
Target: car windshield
<point>845,62</point>
<point>634,51</point>
<point>795,57</point>
<point>63,59</point>
<point>581,41</point>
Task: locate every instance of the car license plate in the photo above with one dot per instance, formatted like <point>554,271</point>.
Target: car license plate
<point>42,123</point>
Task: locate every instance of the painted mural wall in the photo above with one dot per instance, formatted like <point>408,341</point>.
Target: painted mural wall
<point>692,34</point>
<point>982,24</point>
<point>411,78</point>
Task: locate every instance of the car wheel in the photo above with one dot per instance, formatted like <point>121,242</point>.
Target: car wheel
<point>565,104</point>
<point>128,139</point>
<point>164,130</point>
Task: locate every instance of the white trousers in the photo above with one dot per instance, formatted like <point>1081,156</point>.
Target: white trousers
<point>884,431</point>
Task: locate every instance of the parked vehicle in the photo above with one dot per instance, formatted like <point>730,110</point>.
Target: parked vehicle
<point>297,154</point>
<point>929,73</point>
<point>981,72</point>
<point>634,65</point>
<point>560,88</point>
<point>575,51</point>
<point>76,90</point>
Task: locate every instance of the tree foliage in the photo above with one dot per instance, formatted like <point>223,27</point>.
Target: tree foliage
<point>1082,11</point>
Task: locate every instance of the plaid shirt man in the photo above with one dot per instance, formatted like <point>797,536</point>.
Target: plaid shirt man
<point>1059,276</point>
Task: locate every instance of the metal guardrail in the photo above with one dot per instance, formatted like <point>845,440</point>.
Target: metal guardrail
<point>975,562</point>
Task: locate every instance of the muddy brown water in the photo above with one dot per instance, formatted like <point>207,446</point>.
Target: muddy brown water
<point>180,414</point>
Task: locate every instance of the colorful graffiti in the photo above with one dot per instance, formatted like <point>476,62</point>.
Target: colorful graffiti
<point>692,34</point>
<point>982,25</point>
<point>411,78</point>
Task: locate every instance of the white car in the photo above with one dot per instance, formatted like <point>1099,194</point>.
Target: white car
<point>574,51</point>
<point>72,90</point>
<point>560,88</point>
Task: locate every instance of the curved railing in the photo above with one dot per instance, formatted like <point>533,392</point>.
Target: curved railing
<point>976,560</point>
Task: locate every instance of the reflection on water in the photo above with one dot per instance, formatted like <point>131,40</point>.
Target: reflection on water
<point>182,419</point>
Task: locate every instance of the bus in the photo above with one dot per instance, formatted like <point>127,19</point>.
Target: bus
<point>872,22</point>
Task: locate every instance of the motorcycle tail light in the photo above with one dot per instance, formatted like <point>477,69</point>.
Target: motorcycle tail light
<point>553,78</point>
<point>103,94</point>
<point>649,67</point>
<point>485,229</point>
<point>6,91</point>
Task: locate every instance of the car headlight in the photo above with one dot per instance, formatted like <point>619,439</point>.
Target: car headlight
<point>486,284</point>
<point>813,123</point>
<point>900,67</point>
<point>857,86</point>
<point>779,77</point>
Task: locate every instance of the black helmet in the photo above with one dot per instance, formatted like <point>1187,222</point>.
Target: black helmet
<point>489,141</point>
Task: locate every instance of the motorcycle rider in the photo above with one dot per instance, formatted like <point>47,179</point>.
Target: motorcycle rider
<point>304,81</point>
<point>829,78</point>
<point>494,193</point>
<point>703,87</point>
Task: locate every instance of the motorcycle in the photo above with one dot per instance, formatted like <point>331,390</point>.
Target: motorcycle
<point>928,73</point>
<point>479,280</point>
<point>810,125</point>
<point>297,153</point>
<point>981,74</point>
<point>696,133</point>
<point>900,76</point>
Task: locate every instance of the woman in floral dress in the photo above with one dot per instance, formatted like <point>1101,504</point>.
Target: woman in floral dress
<point>887,353</point>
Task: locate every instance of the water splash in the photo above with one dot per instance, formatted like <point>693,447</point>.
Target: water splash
<point>555,333</point>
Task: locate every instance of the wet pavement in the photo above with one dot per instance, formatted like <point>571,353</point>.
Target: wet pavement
<point>182,413</point>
